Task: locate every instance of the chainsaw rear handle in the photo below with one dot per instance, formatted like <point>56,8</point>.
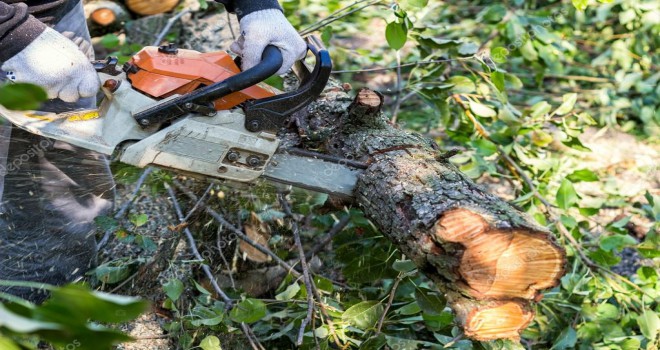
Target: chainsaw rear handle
<point>201,100</point>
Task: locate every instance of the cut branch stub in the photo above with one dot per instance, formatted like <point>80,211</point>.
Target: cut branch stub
<point>514,263</point>
<point>365,109</point>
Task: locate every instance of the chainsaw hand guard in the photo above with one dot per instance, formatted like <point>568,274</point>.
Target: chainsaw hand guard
<point>270,114</point>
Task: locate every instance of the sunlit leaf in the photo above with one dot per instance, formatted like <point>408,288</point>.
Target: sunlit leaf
<point>363,315</point>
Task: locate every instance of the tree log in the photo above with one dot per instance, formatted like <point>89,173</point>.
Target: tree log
<point>489,259</point>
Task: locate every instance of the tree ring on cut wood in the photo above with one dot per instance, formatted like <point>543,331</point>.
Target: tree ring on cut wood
<point>497,263</point>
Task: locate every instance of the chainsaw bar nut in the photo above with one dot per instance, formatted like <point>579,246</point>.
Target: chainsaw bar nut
<point>233,156</point>
<point>253,161</point>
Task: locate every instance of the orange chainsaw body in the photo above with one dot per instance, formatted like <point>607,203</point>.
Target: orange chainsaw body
<point>161,75</point>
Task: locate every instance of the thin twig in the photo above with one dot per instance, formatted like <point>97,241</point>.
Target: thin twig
<point>337,15</point>
<point>231,27</point>
<point>219,218</point>
<point>124,208</point>
<point>390,300</point>
<point>168,26</point>
<point>254,342</point>
<point>201,199</point>
<point>417,63</point>
<point>193,248</point>
<point>397,104</point>
<point>303,263</point>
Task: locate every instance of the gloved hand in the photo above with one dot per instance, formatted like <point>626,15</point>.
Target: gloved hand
<point>268,27</point>
<point>55,63</point>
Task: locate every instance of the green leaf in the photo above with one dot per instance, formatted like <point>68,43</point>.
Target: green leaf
<point>580,4</point>
<point>649,324</point>
<point>248,311</point>
<point>8,344</point>
<point>567,105</point>
<point>113,271</point>
<point>409,309</point>
<point>210,343</point>
<point>584,175</point>
<point>498,80</point>
<point>20,324</point>
<point>566,339</point>
<point>22,96</point>
<point>492,14</point>
<point>173,288</point>
<point>110,41</point>
<point>289,293</point>
<point>468,49</point>
<point>363,315</point>
<point>404,265</point>
<point>461,84</point>
<point>146,243</point>
<point>482,110</point>
<point>414,4</point>
<point>499,54</point>
<point>439,321</point>
<point>540,109</point>
<point>541,138</point>
<point>607,312</point>
<point>616,242</point>
<point>396,35</point>
<point>204,316</point>
<point>106,223</point>
<point>431,302</point>
<point>604,257</point>
<point>647,274</point>
<point>528,51</point>
<point>566,195</point>
<point>139,219</point>
<point>374,343</point>
<point>326,35</point>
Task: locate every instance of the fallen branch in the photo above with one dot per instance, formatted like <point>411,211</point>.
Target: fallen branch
<point>305,268</point>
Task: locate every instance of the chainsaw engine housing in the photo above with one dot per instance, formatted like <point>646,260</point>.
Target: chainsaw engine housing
<point>161,72</point>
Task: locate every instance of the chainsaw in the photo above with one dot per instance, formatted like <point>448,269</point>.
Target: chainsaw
<point>199,114</point>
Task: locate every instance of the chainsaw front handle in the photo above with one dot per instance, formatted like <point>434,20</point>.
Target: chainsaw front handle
<point>271,114</point>
<point>201,100</point>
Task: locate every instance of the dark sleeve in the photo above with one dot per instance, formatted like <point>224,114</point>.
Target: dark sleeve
<point>243,8</point>
<point>17,29</point>
<point>23,21</point>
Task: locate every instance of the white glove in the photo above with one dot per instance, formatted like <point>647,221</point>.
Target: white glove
<point>268,27</point>
<point>56,64</point>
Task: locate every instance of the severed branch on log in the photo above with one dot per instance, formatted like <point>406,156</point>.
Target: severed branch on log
<point>490,260</point>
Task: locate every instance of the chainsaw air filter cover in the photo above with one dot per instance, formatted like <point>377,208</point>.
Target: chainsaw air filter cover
<point>166,71</point>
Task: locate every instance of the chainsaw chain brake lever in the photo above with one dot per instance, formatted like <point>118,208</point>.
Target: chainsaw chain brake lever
<point>271,114</point>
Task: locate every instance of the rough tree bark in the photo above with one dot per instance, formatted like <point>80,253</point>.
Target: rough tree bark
<point>489,259</point>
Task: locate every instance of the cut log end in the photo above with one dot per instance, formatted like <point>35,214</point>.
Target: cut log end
<point>151,7</point>
<point>103,17</point>
<point>501,321</point>
<point>501,264</point>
